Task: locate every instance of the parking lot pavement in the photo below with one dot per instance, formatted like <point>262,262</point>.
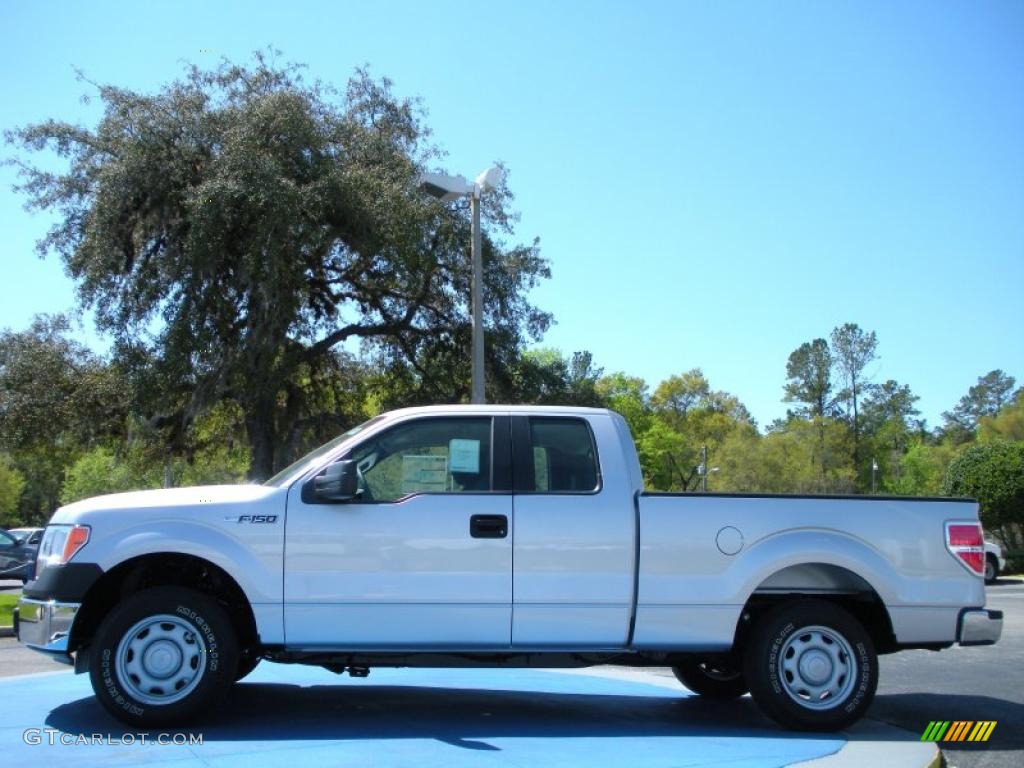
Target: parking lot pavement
<point>285,715</point>
<point>985,683</point>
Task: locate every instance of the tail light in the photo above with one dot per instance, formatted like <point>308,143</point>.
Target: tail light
<point>966,542</point>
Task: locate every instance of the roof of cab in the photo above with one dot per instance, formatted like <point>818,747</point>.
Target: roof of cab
<point>490,409</point>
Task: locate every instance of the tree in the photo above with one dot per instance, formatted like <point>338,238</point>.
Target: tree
<point>921,470</point>
<point>100,471</point>
<point>809,377</point>
<point>628,396</point>
<point>257,222</point>
<point>11,485</point>
<point>985,398</point>
<point>56,398</point>
<point>853,349</point>
<point>546,377</point>
<point>888,424</point>
<point>1008,424</point>
<point>676,396</point>
<point>992,473</point>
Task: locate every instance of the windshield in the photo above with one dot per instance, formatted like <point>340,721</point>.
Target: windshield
<point>293,470</point>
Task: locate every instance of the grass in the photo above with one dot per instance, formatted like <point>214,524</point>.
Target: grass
<point>7,603</point>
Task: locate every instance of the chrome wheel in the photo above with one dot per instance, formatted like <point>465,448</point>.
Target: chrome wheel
<point>817,667</point>
<point>161,659</point>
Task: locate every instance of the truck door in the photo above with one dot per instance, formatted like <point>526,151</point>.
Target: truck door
<point>574,535</point>
<point>423,558</point>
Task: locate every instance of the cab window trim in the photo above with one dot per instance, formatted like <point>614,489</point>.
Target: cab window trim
<point>500,461</point>
<point>523,476</point>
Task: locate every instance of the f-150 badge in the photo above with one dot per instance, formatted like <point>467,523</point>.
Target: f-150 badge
<point>252,519</point>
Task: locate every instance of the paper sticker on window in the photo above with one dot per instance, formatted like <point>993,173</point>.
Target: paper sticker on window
<point>464,455</point>
<point>424,474</point>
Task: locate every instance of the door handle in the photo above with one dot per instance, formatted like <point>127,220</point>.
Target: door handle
<point>488,526</point>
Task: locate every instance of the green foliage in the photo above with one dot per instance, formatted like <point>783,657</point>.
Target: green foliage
<point>546,377</point>
<point>993,473</point>
<point>809,377</point>
<point>264,221</point>
<point>12,483</point>
<point>1006,424</point>
<point>628,396</point>
<point>921,471</point>
<point>101,471</point>
<point>985,398</point>
<point>55,397</point>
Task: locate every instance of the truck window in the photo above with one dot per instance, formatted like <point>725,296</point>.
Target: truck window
<point>444,455</point>
<point>564,460</point>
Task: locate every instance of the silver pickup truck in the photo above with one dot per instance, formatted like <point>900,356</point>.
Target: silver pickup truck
<point>500,536</point>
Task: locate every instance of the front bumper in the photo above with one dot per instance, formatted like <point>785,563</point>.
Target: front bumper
<point>979,626</point>
<point>44,625</point>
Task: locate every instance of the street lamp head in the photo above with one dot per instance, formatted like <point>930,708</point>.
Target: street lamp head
<point>490,179</point>
<point>444,187</point>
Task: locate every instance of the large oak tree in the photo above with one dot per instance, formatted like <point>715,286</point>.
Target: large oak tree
<point>236,229</point>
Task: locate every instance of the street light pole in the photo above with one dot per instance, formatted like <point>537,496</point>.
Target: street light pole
<point>704,466</point>
<point>477,387</point>
<point>446,188</point>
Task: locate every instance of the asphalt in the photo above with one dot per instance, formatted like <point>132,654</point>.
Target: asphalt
<point>407,715</point>
<point>984,683</point>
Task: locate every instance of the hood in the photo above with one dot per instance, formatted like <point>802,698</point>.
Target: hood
<point>164,498</point>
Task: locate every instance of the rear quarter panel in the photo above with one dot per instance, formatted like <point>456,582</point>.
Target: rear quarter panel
<point>690,593</point>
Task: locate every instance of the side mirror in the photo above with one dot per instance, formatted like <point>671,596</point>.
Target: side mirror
<point>339,482</point>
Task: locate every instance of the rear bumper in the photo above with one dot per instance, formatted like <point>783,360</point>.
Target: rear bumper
<point>979,626</point>
<point>44,625</point>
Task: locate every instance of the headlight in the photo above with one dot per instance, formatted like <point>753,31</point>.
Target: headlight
<point>60,543</point>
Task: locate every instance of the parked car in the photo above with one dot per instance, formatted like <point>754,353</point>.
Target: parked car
<point>994,562</point>
<point>16,557</point>
<point>500,536</point>
<point>28,536</point>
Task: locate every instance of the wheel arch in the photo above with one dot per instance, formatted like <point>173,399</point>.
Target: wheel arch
<point>163,569</point>
<point>823,581</point>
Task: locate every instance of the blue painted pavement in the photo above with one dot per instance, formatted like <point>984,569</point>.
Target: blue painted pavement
<point>428,718</point>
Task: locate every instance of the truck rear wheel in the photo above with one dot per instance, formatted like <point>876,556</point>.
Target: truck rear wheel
<point>163,656</point>
<point>811,666</point>
<point>710,679</point>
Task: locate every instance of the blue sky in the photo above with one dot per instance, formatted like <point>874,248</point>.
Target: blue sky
<point>714,183</point>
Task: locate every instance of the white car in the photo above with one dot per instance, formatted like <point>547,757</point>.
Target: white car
<point>994,562</point>
<point>500,536</point>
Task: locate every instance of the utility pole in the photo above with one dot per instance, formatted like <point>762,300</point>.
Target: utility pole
<point>704,467</point>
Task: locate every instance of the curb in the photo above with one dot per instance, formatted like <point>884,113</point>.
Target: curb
<point>6,631</point>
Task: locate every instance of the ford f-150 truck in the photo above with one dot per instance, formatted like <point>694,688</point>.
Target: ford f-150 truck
<point>500,536</point>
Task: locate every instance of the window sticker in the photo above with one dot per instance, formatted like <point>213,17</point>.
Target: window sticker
<point>424,474</point>
<point>465,455</point>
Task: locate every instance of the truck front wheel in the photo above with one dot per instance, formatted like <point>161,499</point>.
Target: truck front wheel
<point>811,666</point>
<point>163,656</point>
<point>712,680</point>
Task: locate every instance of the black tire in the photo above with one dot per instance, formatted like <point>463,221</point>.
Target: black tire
<point>991,569</point>
<point>246,664</point>
<point>803,642</point>
<point>189,659</point>
<point>711,679</point>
